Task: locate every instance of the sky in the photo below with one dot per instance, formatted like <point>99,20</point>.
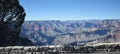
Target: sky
<point>71,9</point>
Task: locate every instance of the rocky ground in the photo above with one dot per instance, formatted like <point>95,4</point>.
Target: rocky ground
<point>97,49</point>
<point>94,53</point>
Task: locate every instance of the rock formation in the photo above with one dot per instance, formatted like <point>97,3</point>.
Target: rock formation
<point>11,19</point>
<point>65,32</point>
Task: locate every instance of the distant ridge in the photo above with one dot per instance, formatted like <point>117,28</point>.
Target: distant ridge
<point>67,32</point>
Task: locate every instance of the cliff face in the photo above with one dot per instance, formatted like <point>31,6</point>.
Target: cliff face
<point>67,32</point>
<point>11,18</point>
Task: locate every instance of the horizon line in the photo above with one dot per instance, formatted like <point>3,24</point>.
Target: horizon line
<point>73,20</point>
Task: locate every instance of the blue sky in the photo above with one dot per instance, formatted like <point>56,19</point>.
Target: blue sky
<point>71,9</point>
